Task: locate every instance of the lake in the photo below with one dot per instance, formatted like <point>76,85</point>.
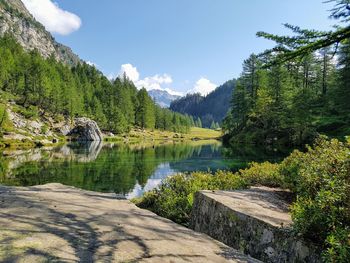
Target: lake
<point>127,170</point>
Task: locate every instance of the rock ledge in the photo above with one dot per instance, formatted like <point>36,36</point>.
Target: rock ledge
<point>254,221</point>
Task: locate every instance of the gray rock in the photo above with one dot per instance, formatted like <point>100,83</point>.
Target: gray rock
<point>63,128</point>
<point>35,126</point>
<point>17,120</point>
<point>85,129</point>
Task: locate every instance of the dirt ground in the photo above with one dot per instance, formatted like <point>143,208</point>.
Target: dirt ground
<point>56,223</point>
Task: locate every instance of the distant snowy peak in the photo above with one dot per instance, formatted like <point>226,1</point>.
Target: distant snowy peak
<point>162,97</point>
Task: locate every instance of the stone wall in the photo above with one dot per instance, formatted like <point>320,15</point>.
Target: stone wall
<point>254,221</point>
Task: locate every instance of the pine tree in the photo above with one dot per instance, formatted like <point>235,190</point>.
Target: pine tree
<point>145,114</point>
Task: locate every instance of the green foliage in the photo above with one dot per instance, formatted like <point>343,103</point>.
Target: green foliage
<point>44,129</point>
<point>290,103</point>
<point>321,179</point>
<point>174,198</point>
<point>266,173</point>
<point>5,123</point>
<point>145,114</point>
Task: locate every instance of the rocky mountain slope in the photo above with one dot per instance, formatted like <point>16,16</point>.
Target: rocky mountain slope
<point>15,19</point>
<point>162,97</point>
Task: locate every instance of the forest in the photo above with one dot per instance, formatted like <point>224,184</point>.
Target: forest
<point>297,90</point>
<point>45,86</point>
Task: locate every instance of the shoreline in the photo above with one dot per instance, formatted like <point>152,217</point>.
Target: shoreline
<point>135,136</point>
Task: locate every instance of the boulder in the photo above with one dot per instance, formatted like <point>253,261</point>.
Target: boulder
<point>85,129</point>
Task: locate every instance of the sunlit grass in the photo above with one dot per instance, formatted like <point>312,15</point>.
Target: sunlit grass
<point>137,135</point>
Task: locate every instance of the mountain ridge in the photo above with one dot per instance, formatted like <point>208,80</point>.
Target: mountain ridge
<point>210,108</point>
<point>15,19</point>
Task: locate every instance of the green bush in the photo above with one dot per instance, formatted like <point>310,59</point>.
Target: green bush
<point>174,198</point>
<point>321,179</point>
<point>263,174</point>
<point>31,112</point>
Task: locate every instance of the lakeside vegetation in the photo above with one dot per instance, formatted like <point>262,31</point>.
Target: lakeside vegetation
<point>142,136</point>
<point>319,179</point>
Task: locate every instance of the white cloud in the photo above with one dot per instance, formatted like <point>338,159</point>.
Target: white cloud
<point>130,71</point>
<point>55,19</point>
<point>91,64</point>
<point>154,82</point>
<point>149,83</point>
<point>203,86</point>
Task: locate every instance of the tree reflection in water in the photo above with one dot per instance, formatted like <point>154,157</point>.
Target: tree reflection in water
<point>128,170</point>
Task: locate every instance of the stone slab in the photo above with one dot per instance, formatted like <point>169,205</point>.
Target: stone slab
<point>255,221</point>
<point>56,223</point>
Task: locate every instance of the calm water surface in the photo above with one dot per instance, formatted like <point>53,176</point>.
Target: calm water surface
<point>127,170</point>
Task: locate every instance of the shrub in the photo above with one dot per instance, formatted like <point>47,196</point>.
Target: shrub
<point>31,112</point>
<point>174,198</point>
<point>321,179</point>
<point>263,174</point>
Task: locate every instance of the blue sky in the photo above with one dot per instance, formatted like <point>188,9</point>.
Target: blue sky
<point>176,44</point>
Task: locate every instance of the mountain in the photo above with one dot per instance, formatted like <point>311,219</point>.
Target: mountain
<point>162,97</point>
<point>212,107</point>
<point>16,20</point>
<point>46,92</point>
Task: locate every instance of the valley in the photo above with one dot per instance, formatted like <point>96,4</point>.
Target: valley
<point>105,161</point>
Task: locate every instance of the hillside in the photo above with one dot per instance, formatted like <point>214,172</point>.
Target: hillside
<point>30,34</point>
<point>213,107</point>
<point>36,85</point>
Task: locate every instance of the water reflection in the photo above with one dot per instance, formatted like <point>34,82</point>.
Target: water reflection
<point>129,170</point>
<point>163,171</point>
<point>86,152</point>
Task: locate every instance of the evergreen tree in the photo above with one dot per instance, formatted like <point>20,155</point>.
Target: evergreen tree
<point>145,114</point>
